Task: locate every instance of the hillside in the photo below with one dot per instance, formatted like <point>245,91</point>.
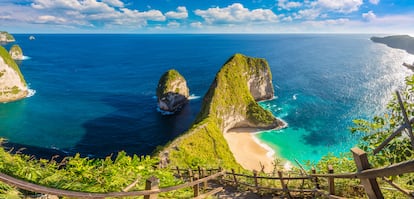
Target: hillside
<point>230,102</point>
<point>403,42</point>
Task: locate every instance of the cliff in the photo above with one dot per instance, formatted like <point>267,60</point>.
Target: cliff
<point>172,91</point>
<point>6,37</point>
<point>16,52</point>
<point>403,42</point>
<point>12,84</point>
<point>230,102</point>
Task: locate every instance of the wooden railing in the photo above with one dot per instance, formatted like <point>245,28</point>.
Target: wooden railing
<point>151,188</point>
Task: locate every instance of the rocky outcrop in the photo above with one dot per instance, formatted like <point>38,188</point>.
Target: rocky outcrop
<point>6,37</point>
<point>172,92</point>
<point>16,52</point>
<point>230,102</point>
<point>403,42</point>
<point>12,84</point>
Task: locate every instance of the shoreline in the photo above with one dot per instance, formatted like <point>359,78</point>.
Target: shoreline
<point>249,151</point>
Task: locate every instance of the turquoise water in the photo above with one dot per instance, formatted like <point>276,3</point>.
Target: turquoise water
<point>320,106</point>
<point>95,93</point>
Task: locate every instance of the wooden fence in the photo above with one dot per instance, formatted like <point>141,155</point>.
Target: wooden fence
<point>151,188</point>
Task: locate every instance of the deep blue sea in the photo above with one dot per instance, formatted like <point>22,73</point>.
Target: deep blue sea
<point>95,93</point>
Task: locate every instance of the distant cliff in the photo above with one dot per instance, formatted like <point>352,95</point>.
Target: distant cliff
<point>16,52</point>
<point>6,37</point>
<point>403,42</point>
<point>172,91</point>
<point>12,83</point>
<point>230,102</point>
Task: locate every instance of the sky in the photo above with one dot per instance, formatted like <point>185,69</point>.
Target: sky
<point>207,16</point>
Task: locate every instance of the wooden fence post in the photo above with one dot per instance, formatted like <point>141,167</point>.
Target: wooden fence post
<point>190,175</point>
<point>331,181</point>
<point>196,187</point>
<point>203,175</point>
<point>256,183</point>
<point>370,184</point>
<point>178,172</point>
<point>234,177</point>
<point>315,179</point>
<point>199,171</point>
<point>151,183</point>
<point>284,186</point>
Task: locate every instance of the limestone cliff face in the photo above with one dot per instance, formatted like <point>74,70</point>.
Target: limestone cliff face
<point>6,37</point>
<point>16,52</point>
<point>172,91</point>
<point>238,85</point>
<point>230,102</point>
<point>12,84</point>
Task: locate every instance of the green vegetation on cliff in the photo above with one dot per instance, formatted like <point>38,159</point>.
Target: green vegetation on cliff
<point>165,82</point>
<point>11,63</point>
<point>227,104</point>
<point>16,48</point>
<point>9,37</point>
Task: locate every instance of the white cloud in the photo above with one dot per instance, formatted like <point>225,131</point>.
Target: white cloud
<point>341,6</point>
<point>181,13</point>
<point>173,24</point>
<point>369,16</point>
<point>50,19</point>
<point>114,3</point>
<point>236,13</point>
<point>196,24</point>
<point>375,2</point>
<point>287,19</point>
<point>153,15</point>
<point>86,6</point>
<point>89,12</point>
<point>307,14</point>
<point>287,5</point>
<point>326,23</point>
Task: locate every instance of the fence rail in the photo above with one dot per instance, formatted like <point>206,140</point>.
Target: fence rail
<point>152,188</point>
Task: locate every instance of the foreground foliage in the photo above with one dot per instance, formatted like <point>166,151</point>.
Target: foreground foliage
<point>84,174</point>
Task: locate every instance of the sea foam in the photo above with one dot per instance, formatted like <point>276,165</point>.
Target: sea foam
<point>193,97</point>
<point>26,57</point>
<point>31,92</point>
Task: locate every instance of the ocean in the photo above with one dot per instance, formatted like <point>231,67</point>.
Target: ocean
<point>95,93</point>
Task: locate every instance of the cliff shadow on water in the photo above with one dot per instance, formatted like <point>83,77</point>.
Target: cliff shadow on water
<point>122,128</point>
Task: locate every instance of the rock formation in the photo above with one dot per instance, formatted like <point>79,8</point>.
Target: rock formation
<point>403,42</point>
<point>16,52</point>
<point>230,102</point>
<point>6,37</point>
<point>12,84</point>
<point>172,92</point>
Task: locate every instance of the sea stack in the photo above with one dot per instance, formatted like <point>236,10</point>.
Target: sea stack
<point>12,84</point>
<point>172,92</point>
<point>6,37</point>
<point>16,52</point>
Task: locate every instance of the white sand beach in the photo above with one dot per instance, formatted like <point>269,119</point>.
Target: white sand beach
<point>248,151</point>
